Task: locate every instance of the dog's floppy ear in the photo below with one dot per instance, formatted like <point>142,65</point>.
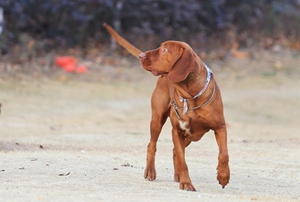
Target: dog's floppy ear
<point>184,65</point>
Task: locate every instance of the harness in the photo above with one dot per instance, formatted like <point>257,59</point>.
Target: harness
<point>185,107</point>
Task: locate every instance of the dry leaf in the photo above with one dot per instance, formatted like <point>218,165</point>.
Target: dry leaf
<point>64,174</point>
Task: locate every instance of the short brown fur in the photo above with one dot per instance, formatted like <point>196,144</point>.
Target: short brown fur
<point>182,73</point>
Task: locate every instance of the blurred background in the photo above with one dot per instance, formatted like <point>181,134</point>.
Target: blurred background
<point>34,33</point>
<point>94,114</point>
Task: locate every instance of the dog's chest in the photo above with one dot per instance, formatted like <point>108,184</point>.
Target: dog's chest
<point>193,129</point>
<point>185,126</point>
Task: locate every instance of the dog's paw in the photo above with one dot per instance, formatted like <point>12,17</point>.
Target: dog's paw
<point>188,186</point>
<point>223,176</point>
<point>150,174</point>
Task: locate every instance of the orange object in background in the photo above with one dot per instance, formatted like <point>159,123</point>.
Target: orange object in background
<point>69,68</point>
<point>236,53</point>
<point>69,64</point>
<point>65,61</point>
<point>81,69</point>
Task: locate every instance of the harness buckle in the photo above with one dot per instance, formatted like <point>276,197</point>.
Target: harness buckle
<point>175,107</point>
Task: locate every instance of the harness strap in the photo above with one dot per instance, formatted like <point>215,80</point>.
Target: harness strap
<point>175,106</point>
<point>208,77</point>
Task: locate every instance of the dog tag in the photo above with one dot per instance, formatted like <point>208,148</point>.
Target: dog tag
<point>185,106</point>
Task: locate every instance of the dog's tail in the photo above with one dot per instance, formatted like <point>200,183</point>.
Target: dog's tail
<point>123,42</point>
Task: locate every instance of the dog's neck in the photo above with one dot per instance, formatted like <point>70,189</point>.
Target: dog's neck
<point>195,82</point>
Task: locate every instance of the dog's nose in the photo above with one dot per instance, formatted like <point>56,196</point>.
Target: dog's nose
<point>142,55</point>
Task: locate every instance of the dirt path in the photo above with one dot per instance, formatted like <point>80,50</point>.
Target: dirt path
<point>85,141</point>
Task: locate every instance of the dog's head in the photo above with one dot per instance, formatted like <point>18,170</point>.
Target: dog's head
<point>173,58</point>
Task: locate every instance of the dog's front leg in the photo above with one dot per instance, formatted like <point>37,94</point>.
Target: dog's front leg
<point>157,122</point>
<point>181,169</point>
<point>176,175</point>
<point>155,129</point>
<point>223,167</point>
<point>160,110</point>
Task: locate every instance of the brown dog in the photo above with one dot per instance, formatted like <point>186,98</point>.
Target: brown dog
<point>187,92</point>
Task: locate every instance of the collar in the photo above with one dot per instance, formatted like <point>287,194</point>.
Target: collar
<point>184,100</point>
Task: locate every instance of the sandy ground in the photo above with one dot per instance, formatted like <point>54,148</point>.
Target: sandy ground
<point>73,140</point>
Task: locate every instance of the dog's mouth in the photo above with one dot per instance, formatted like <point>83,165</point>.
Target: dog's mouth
<point>154,72</point>
<point>147,63</point>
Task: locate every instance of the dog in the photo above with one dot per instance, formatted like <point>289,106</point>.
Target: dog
<point>187,93</point>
